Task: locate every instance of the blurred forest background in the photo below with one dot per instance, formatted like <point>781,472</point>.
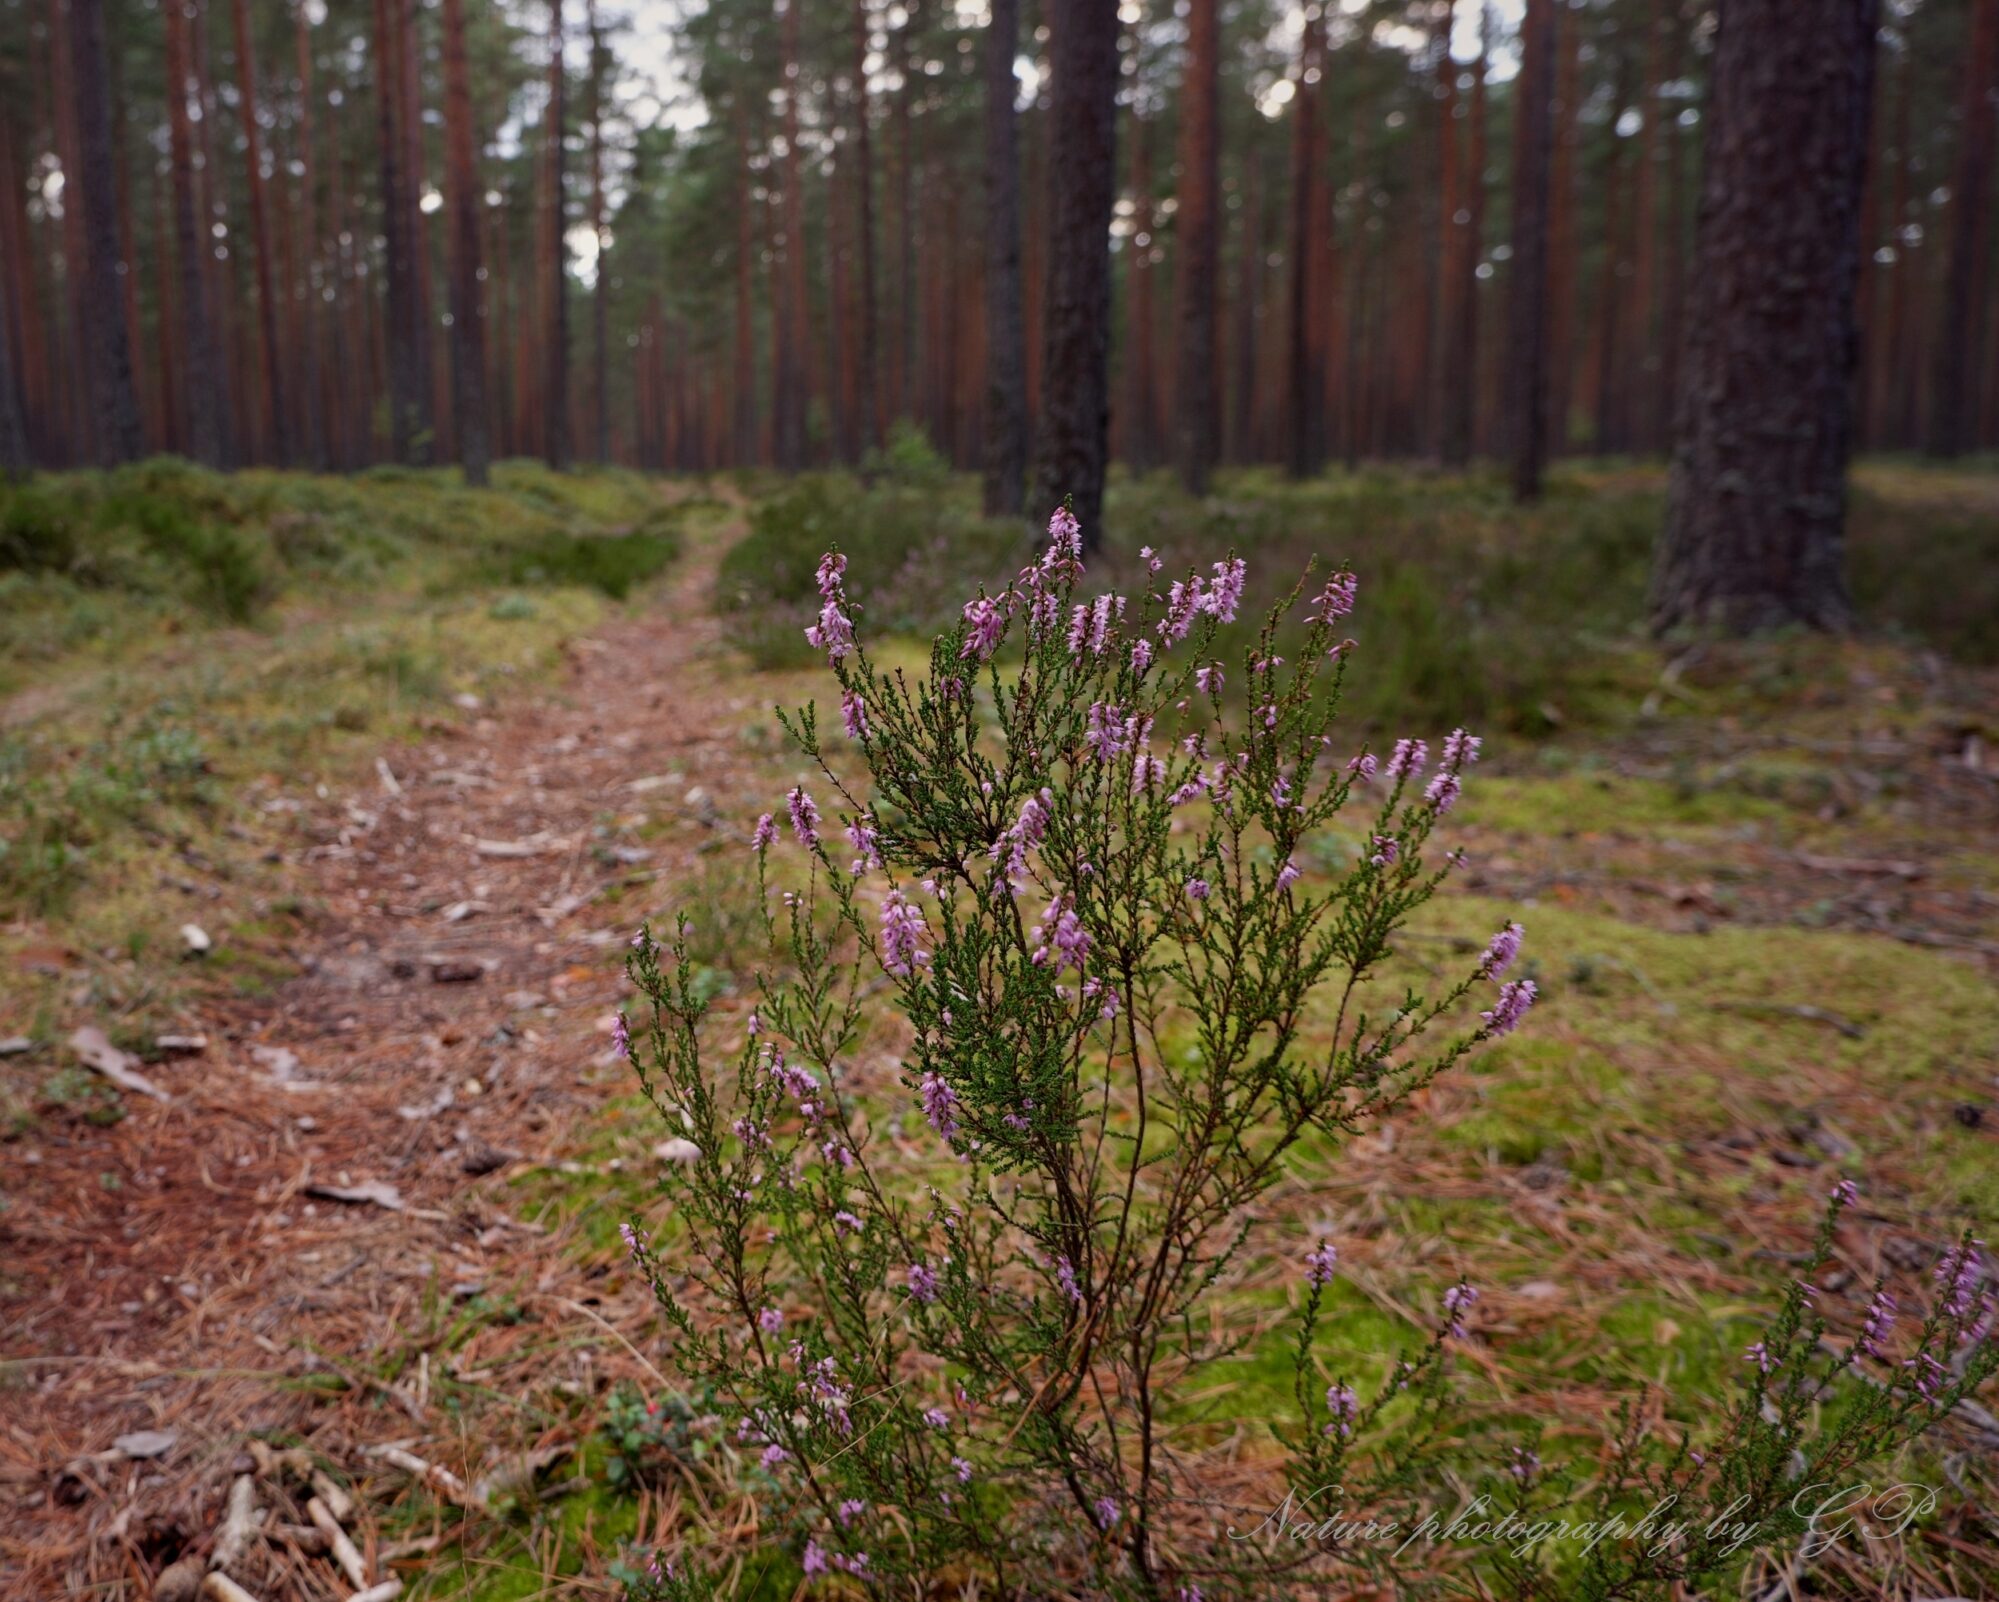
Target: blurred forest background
<point>753,233</point>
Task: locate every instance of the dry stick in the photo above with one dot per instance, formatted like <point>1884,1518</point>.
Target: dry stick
<point>337,1501</point>
<point>239,1526</point>
<point>344,1552</point>
<point>441,1480</point>
<point>218,1587</point>
<point>387,1591</point>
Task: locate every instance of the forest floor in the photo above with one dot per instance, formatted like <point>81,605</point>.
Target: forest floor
<point>373,1213</point>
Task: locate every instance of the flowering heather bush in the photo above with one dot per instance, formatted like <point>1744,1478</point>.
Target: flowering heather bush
<point>948,1338</point>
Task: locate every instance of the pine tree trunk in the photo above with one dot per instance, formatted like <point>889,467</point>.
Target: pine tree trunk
<point>1082,183</point>
<point>555,267</point>
<point>468,313</point>
<point>788,389</point>
<point>1197,224</point>
<point>867,378</point>
<point>1564,270</point>
<point>1961,314</point>
<point>1006,338</point>
<point>311,413</point>
<point>1757,504</point>
<point>204,386</point>
<point>744,372</point>
<point>600,382</point>
<point>1302,381</point>
<point>1141,375</point>
<point>1528,333</point>
<point>404,407</point>
<point>114,401</point>
<point>14,461</point>
<point>260,237</point>
<point>1461,313</point>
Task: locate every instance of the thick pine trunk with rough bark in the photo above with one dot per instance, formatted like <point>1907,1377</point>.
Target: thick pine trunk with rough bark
<point>107,351</point>
<point>1197,225</point>
<point>1082,180</point>
<point>1757,503</point>
<point>203,383</point>
<point>13,416</point>
<point>260,238</point>
<point>555,264</point>
<point>867,376</point>
<point>468,315</point>
<point>1006,336</point>
<point>405,373</point>
<point>600,379</point>
<point>1961,314</point>
<point>1304,383</point>
<point>1528,320</point>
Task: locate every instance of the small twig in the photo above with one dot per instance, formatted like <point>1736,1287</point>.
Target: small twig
<point>343,1550</point>
<point>239,1526</point>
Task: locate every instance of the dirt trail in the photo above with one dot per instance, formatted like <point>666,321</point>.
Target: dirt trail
<point>449,1030</point>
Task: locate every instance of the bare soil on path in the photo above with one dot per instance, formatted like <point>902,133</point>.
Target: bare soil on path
<point>339,1172</point>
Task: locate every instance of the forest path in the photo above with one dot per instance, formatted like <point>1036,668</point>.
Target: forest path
<point>446,1035</point>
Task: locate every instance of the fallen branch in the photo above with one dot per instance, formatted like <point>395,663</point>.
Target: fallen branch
<point>387,1591</point>
<point>239,1525</point>
<point>344,1550</point>
<point>439,1479</point>
<point>218,1587</point>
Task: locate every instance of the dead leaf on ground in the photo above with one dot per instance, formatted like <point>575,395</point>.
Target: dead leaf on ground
<point>147,1443</point>
<point>95,1048</point>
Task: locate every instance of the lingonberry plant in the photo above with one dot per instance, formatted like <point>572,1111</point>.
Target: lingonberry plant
<point>954,1329</point>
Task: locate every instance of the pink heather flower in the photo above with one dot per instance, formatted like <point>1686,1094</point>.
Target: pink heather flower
<point>1525,1465</point>
<point>1208,680</point>
<point>1957,1278</point>
<point>1506,1012</point>
<point>1387,851</point>
<point>1104,730</point>
<point>1141,655</point>
<point>940,1104</point>
<point>852,1509</point>
<point>766,831</point>
<point>814,1561</point>
<point>1442,791</point>
<point>832,572</point>
<point>1226,596</point>
<point>853,714</point>
<point>1344,1406</point>
<point>770,1320</point>
<point>634,1241</point>
<point>857,1564</point>
<point>963,1469</point>
<point>1336,600</point>
<point>1363,767</point>
<point>985,623</point>
<point>1458,1301</point>
<point>1500,951</point>
<point>621,1037</point>
<point>1108,1513</point>
<point>1183,602</point>
<point>1288,875</point>
<point>1845,1193</point>
<point>1874,1332</point>
<point>1065,535</point>
<point>641,940</point>
<point>902,929</point>
<point>1197,889</point>
<point>1023,834</point>
<point>804,817</point>
<point>922,1283</point>
<point>1759,1354</point>
<point>1930,1375</point>
<point>1408,759</point>
<point>1079,629</point>
<point>1146,771</point>
<point>846,1223</point>
<point>936,1418</point>
<point>774,1455</point>
<point>834,632</point>
<point>866,841</point>
<point>1320,1264</point>
<point>1460,749</point>
<point>1060,931</point>
<point>1065,1276</point>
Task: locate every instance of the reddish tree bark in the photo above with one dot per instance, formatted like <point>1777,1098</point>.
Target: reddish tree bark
<point>260,237</point>
<point>1961,310</point>
<point>1082,183</point>
<point>1006,338</point>
<point>1756,510</point>
<point>555,264</point>
<point>1197,224</point>
<point>1528,330</point>
<point>468,312</point>
<point>1304,383</point>
<point>204,388</point>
